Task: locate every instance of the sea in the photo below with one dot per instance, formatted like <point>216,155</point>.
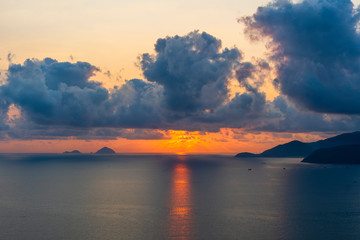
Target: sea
<point>59,196</point>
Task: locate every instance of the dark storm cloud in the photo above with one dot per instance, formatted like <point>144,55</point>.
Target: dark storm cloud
<point>49,92</point>
<point>243,110</point>
<point>283,116</point>
<point>316,48</point>
<point>186,88</point>
<point>136,104</point>
<point>61,94</point>
<point>193,71</point>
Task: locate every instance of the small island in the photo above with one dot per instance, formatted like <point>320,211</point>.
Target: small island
<point>105,150</point>
<point>247,155</point>
<point>72,152</point>
<point>346,154</point>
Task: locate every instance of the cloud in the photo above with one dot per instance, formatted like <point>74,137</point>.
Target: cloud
<point>10,57</point>
<point>193,70</point>
<point>136,104</point>
<point>62,94</point>
<point>43,132</point>
<point>55,93</point>
<point>194,73</point>
<point>315,45</point>
<point>4,107</point>
<point>282,116</point>
<point>186,87</point>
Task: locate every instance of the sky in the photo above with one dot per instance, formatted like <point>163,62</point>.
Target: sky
<point>176,76</point>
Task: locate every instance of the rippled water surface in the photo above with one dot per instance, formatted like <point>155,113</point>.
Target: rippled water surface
<point>176,197</point>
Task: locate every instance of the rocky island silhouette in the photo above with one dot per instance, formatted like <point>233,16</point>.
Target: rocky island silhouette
<point>343,148</point>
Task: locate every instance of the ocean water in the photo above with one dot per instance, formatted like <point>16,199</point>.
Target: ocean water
<point>176,197</point>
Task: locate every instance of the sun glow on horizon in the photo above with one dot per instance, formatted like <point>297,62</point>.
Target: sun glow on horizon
<point>225,141</point>
<point>183,142</point>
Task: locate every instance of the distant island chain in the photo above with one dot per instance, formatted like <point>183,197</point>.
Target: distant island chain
<point>104,150</point>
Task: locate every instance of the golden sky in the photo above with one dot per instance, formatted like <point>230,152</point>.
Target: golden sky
<point>111,34</point>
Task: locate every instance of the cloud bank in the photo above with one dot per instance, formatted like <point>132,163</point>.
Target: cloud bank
<point>193,71</point>
<point>315,45</point>
<point>186,83</point>
<point>186,88</point>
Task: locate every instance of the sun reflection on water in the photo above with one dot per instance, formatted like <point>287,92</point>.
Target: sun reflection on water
<point>181,211</point>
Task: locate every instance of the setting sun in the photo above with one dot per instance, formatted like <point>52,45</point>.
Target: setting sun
<point>182,142</point>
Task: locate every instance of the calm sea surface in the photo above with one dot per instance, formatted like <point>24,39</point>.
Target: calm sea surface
<point>176,197</point>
